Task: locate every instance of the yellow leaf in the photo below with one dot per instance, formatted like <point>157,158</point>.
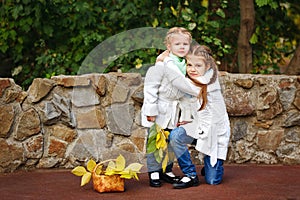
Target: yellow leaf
<point>167,133</point>
<point>158,140</point>
<point>136,176</point>
<point>158,128</point>
<point>161,142</point>
<point>111,165</point>
<point>127,176</point>
<point>161,137</point>
<point>155,23</point>
<point>91,165</point>
<point>158,144</point>
<point>135,167</point>
<point>79,171</point>
<point>158,136</point>
<point>99,169</point>
<point>160,153</point>
<point>86,178</point>
<point>110,169</point>
<point>120,163</point>
<point>125,171</point>
<point>174,12</point>
<point>205,3</point>
<point>165,147</point>
<point>110,172</point>
<point>165,162</point>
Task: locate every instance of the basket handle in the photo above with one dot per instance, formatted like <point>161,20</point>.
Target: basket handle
<point>101,163</point>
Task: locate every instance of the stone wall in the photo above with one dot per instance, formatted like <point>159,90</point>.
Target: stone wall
<point>64,121</point>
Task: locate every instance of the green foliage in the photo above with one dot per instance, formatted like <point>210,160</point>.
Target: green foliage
<point>273,40</point>
<point>157,144</point>
<point>272,3</point>
<point>45,38</point>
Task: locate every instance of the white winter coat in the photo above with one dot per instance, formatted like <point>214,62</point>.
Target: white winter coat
<point>210,126</point>
<point>161,98</point>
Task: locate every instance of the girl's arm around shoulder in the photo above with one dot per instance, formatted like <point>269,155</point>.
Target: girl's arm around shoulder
<point>177,79</point>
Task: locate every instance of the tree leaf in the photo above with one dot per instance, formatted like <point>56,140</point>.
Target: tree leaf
<point>79,171</point>
<point>91,165</point>
<point>261,3</point>
<point>165,162</point>
<point>120,163</point>
<point>136,176</point>
<point>174,12</point>
<point>151,139</point>
<point>99,169</point>
<point>155,22</point>
<point>158,128</point>
<point>151,147</point>
<point>158,140</point>
<point>158,158</point>
<point>153,131</point>
<point>151,143</point>
<point>109,172</point>
<point>161,140</point>
<point>214,24</point>
<point>160,153</point>
<point>111,165</point>
<point>221,13</point>
<point>126,175</point>
<point>135,167</point>
<point>86,178</point>
<point>253,39</point>
<point>167,133</point>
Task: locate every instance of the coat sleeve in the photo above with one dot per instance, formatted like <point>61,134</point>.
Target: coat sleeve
<point>206,77</point>
<point>152,83</point>
<point>178,80</point>
<point>186,104</point>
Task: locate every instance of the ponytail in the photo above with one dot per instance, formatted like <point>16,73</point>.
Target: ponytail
<point>205,52</point>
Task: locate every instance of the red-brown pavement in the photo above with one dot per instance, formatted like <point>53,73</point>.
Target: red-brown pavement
<point>257,182</point>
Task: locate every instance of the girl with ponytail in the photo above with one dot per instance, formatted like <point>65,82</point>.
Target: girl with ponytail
<point>210,127</point>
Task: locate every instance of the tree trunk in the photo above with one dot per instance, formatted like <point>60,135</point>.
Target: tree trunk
<point>246,30</point>
<point>294,67</point>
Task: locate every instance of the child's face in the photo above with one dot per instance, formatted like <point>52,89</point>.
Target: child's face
<point>195,66</point>
<point>179,44</point>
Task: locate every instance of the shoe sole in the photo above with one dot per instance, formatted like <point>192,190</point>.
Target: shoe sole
<point>168,181</point>
<point>156,186</point>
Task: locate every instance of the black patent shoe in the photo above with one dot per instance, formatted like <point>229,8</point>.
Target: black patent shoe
<point>169,179</point>
<point>203,171</point>
<point>186,182</point>
<point>154,179</point>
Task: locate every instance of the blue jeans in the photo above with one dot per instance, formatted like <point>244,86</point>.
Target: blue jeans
<point>213,175</point>
<point>154,166</point>
<point>178,141</point>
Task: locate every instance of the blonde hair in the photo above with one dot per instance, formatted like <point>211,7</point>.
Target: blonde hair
<point>206,54</point>
<point>177,30</point>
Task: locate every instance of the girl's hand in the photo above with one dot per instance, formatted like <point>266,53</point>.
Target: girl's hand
<point>151,118</point>
<point>162,56</point>
<point>182,123</point>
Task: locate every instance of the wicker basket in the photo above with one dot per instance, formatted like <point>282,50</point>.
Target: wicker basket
<point>103,183</point>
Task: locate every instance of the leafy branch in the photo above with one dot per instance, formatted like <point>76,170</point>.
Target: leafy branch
<point>158,145</point>
<point>115,166</point>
